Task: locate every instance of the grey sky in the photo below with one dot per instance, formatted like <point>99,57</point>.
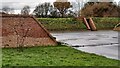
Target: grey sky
<point>19,4</point>
<point>44,0</point>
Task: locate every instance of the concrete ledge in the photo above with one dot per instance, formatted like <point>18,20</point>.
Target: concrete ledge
<point>117,29</point>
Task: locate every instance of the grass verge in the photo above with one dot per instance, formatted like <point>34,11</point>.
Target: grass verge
<point>53,56</point>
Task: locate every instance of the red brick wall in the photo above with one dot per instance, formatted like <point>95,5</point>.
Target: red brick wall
<point>35,34</point>
<point>0,40</point>
<point>11,41</point>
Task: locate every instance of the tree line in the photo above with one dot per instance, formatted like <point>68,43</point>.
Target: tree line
<point>65,9</point>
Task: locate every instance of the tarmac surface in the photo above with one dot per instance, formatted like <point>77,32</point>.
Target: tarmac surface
<point>105,43</point>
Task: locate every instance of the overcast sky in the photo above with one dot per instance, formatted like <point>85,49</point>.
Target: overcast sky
<point>42,0</point>
<point>18,4</point>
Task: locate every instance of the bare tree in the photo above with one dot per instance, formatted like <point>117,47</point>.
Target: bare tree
<point>119,3</point>
<point>20,31</point>
<point>62,7</point>
<point>25,10</point>
<point>100,9</point>
<point>119,9</point>
<point>78,5</point>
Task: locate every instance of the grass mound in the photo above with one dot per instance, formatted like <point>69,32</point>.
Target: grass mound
<point>71,24</point>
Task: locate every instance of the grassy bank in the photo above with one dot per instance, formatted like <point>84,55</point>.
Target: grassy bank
<point>53,56</point>
<point>106,22</point>
<point>70,24</point>
<point>61,24</point>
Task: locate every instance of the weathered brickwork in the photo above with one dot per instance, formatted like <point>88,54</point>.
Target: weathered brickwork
<point>15,27</point>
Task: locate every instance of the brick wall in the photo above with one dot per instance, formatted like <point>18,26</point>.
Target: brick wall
<point>11,41</point>
<point>27,27</point>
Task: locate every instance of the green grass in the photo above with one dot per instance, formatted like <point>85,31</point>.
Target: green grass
<point>53,56</point>
<point>70,24</point>
<point>106,22</point>
<point>0,57</point>
<point>61,24</point>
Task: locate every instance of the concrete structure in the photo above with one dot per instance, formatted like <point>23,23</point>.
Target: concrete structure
<point>89,24</point>
<point>86,23</point>
<point>117,27</point>
<point>18,30</point>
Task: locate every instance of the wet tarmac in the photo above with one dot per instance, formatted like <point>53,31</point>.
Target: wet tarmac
<point>103,43</point>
